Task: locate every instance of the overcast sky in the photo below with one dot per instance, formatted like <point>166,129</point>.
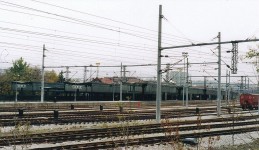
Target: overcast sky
<point>111,32</point>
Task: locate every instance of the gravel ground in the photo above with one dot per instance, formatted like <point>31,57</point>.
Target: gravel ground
<point>247,141</point>
<point>248,146</point>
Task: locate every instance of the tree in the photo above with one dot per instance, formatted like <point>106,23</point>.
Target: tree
<point>5,86</point>
<point>253,53</point>
<point>51,76</point>
<point>61,78</point>
<point>19,70</point>
<point>34,74</point>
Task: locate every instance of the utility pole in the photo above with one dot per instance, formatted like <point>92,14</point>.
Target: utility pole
<point>205,87</point>
<point>242,84</point>
<point>167,78</point>
<point>183,79</point>
<point>91,66</point>
<point>248,83</point>
<point>180,76</point>
<point>234,59</point>
<point>42,75</point>
<point>229,87</point>
<point>85,74</point>
<point>158,91</point>
<point>226,91</point>
<point>187,84</point>
<point>124,79</point>
<point>245,82</point>
<point>67,72</point>
<point>167,73</point>
<point>113,89</point>
<point>75,93</point>
<point>219,77</point>
<point>121,84</point>
<point>16,93</point>
<point>124,74</point>
<point>97,70</point>
<point>184,54</point>
<point>257,88</point>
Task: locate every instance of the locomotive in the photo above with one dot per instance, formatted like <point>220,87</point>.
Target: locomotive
<point>249,101</point>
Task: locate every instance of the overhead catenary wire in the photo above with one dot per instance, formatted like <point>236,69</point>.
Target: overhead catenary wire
<point>138,50</point>
<point>66,37</point>
<point>93,24</point>
<point>164,34</point>
<point>65,50</point>
<point>139,36</point>
<point>89,48</point>
<point>59,15</point>
<point>73,33</point>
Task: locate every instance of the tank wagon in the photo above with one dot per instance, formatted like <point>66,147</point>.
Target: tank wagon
<point>249,101</point>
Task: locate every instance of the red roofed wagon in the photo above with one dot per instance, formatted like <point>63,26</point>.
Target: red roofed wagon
<point>249,101</point>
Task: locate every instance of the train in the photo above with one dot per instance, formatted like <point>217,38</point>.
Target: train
<point>249,101</point>
<point>108,91</point>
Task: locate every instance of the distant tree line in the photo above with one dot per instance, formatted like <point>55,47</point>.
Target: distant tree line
<point>22,71</point>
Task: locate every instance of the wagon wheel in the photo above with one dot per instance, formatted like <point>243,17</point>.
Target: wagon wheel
<point>245,106</point>
<point>250,107</point>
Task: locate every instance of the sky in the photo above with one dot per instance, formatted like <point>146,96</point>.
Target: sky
<point>114,32</point>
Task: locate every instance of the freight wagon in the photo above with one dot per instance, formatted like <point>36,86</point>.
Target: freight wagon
<point>249,101</point>
<point>95,91</point>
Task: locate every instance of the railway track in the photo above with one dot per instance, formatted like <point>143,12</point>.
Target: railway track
<point>145,140</point>
<point>82,116</point>
<point>87,134</point>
